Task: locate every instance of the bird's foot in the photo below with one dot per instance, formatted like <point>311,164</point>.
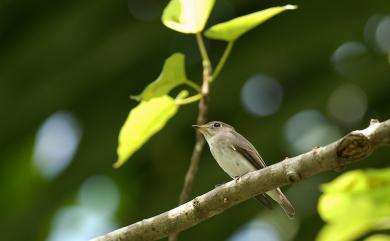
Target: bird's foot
<point>236,178</point>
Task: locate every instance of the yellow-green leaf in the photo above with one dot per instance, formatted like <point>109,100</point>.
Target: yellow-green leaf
<point>145,120</point>
<point>378,237</point>
<point>187,16</point>
<point>354,204</point>
<point>233,29</point>
<point>347,232</point>
<point>172,75</point>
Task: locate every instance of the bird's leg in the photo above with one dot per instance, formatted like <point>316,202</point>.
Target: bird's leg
<point>236,178</point>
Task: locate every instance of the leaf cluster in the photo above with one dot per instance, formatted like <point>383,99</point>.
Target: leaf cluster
<point>355,204</point>
<point>156,107</point>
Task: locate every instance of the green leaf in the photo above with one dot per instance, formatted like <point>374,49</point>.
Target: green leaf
<point>378,237</point>
<point>187,16</point>
<point>172,75</point>
<point>347,232</point>
<point>354,204</point>
<point>233,29</point>
<point>145,120</point>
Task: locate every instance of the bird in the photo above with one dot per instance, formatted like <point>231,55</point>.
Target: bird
<point>237,156</point>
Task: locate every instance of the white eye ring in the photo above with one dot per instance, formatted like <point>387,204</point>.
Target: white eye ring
<point>216,124</point>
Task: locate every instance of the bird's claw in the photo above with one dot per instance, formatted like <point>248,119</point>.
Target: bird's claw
<point>236,178</point>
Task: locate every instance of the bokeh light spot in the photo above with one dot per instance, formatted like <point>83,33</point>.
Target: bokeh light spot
<point>383,35</point>
<point>261,95</point>
<point>100,194</point>
<point>94,214</point>
<point>79,224</point>
<point>350,57</point>
<point>348,104</point>
<point>308,129</point>
<point>256,230</point>
<point>56,143</point>
<point>370,30</point>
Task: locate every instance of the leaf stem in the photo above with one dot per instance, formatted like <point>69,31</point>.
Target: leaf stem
<point>222,61</point>
<point>205,58</point>
<point>188,100</point>
<point>193,85</point>
<point>202,49</point>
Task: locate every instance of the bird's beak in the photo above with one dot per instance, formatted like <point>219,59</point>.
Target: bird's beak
<point>202,129</point>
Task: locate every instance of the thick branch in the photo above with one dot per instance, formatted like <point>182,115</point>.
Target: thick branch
<point>352,147</point>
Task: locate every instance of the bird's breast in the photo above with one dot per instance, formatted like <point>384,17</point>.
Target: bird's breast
<point>231,161</point>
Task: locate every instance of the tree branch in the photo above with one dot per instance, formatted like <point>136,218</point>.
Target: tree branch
<point>351,148</point>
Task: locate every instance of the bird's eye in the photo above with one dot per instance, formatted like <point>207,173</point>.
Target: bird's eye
<point>216,124</point>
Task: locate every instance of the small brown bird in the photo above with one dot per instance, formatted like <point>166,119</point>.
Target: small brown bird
<point>237,156</point>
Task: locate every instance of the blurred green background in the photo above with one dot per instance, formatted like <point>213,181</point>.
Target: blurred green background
<point>67,68</point>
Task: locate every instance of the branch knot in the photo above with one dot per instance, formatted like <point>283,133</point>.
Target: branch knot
<point>353,146</point>
<point>199,212</point>
<point>293,176</point>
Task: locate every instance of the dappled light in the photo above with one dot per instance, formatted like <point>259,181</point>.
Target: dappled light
<point>309,129</point>
<point>383,35</point>
<point>270,225</point>
<point>256,230</point>
<point>347,104</point>
<point>56,143</point>
<point>370,29</point>
<point>349,57</point>
<point>261,95</point>
<point>100,194</point>
<point>104,106</point>
<point>92,215</point>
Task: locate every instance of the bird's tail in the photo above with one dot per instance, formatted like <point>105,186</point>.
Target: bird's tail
<point>282,200</point>
<point>286,205</point>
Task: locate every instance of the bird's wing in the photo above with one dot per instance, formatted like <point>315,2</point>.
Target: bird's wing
<point>250,153</point>
<point>264,199</point>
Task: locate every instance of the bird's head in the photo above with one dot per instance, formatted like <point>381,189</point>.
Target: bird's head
<point>213,128</point>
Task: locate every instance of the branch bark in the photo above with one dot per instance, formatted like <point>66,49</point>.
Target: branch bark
<point>351,148</point>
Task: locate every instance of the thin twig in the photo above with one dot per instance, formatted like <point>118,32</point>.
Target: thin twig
<point>201,119</point>
<point>193,85</point>
<point>355,146</point>
<point>188,100</point>
<point>222,61</point>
